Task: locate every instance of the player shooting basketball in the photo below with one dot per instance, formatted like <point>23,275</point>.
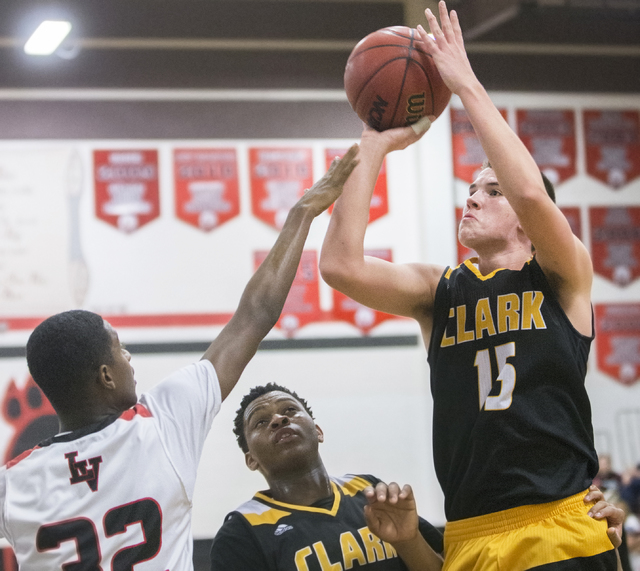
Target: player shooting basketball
<point>114,488</point>
<point>508,337</point>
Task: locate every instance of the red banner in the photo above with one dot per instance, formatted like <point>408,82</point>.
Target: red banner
<point>364,318</point>
<point>126,188</point>
<point>618,340</point>
<point>279,178</point>
<point>380,199</point>
<point>303,302</point>
<point>206,182</point>
<point>615,243</point>
<point>550,136</point>
<point>612,140</point>
<point>468,154</point>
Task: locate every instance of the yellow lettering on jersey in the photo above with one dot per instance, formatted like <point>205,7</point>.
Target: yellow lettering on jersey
<point>463,334</point>
<point>531,304</point>
<point>301,555</point>
<point>484,319</point>
<point>323,558</point>
<point>351,550</point>
<point>390,550</point>
<point>508,313</point>
<point>372,545</point>
<point>448,341</point>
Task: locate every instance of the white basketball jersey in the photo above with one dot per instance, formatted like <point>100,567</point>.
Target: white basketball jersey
<point>116,495</point>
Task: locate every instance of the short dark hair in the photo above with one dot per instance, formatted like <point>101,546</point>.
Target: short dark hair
<point>65,351</point>
<point>253,394</point>
<point>548,185</point>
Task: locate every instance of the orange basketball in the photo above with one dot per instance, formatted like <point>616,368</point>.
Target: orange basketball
<point>391,81</point>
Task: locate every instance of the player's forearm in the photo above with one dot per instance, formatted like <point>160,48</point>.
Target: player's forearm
<point>267,290</point>
<point>517,172</point>
<point>343,245</point>
<point>417,555</point>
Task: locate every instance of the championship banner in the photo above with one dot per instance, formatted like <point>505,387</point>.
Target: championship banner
<point>380,200</point>
<point>612,140</point>
<point>303,302</point>
<point>279,178</point>
<point>615,243</point>
<point>364,318</point>
<point>550,136</point>
<point>468,154</point>
<point>206,183</point>
<point>127,193</point>
<point>618,341</point>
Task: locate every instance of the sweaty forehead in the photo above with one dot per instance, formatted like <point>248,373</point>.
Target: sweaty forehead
<point>263,401</point>
<point>485,176</point>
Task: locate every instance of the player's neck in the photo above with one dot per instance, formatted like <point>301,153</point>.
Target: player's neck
<point>301,489</point>
<point>511,259</point>
<point>83,416</point>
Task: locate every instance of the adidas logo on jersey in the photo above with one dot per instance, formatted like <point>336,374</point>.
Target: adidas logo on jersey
<point>282,528</point>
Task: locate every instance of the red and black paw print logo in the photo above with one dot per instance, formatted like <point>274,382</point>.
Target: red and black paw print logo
<point>30,414</point>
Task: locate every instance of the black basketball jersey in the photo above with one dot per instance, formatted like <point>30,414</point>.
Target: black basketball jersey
<point>512,420</point>
<point>267,535</point>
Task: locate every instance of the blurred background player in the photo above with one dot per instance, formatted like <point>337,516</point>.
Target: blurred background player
<point>119,462</point>
<point>508,338</point>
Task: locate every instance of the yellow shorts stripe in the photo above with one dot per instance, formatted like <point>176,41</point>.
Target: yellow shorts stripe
<point>525,537</point>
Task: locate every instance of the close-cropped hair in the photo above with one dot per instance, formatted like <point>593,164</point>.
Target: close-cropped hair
<point>548,185</point>
<point>253,394</point>
<point>65,352</point>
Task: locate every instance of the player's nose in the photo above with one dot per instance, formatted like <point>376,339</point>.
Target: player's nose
<point>472,201</point>
<point>279,420</point>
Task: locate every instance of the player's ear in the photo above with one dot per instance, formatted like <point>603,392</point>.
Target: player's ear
<point>320,434</point>
<point>105,377</point>
<point>251,462</point>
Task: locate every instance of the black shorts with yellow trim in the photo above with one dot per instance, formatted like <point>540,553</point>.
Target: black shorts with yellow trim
<point>557,536</point>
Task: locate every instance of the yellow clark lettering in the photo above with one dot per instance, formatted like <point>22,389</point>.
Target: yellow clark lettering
<point>301,555</point>
<point>508,312</point>
<point>531,304</point>
<point>390,550</point>
<point>448,341</point>
<point>463,334</point>
<point>372,545</point>
<point>351,550</point>
<point>323,558</point>
<point>484,319</point>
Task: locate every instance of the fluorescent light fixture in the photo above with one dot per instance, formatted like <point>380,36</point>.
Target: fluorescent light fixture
<point>47,37</point>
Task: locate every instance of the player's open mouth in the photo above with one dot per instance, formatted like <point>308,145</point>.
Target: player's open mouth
<point>284,435</point>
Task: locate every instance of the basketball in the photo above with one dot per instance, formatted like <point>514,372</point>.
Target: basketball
<point>391,81</point>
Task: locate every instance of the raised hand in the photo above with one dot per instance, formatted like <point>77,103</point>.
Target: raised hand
<point>446,46</point>
<point>391,513</point>
<point>326,190</point>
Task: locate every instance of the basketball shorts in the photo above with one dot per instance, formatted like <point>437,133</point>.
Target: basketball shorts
<point>557,536</point>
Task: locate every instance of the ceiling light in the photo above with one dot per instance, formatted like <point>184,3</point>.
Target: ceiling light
<point>47,37</point>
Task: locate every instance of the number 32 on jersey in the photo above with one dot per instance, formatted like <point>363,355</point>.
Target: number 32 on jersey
<point>145,512</point>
